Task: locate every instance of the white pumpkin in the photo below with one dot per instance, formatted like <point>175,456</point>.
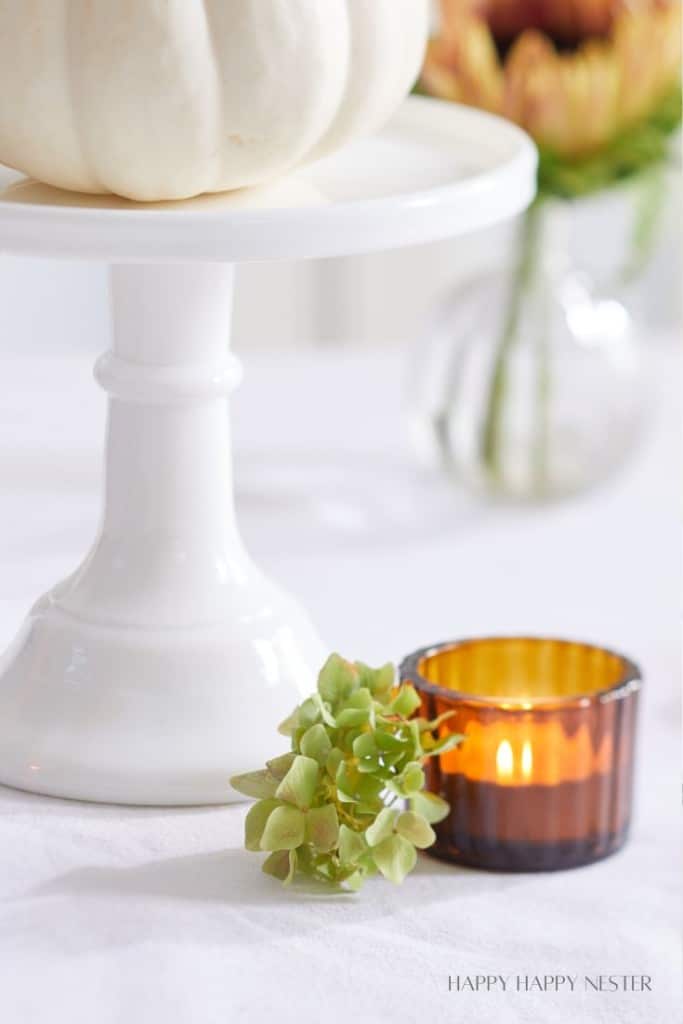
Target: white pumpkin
<point>166,99</point>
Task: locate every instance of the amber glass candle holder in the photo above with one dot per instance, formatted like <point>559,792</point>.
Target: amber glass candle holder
<point>543,778</point>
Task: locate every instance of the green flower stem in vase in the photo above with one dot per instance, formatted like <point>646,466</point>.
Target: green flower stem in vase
<point>522,279</point>
<point>650,194</point>
<point>564,347</point>
<point>528,386</point>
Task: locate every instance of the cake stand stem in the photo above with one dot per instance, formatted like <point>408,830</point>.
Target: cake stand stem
<point>165,662</point>
<point>169,539</point>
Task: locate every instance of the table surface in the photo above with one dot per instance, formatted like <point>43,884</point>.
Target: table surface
<point>116,914</point>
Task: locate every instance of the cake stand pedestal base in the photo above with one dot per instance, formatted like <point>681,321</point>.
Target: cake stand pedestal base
<point>164,664</point>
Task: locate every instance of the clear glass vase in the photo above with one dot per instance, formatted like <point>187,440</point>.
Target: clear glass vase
<point>529,384</point>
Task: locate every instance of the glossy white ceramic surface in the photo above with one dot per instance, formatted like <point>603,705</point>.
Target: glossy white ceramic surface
<point>436,171</point>
<point>164,663</point>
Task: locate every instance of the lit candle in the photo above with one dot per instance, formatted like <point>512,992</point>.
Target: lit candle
<point>543,777</point>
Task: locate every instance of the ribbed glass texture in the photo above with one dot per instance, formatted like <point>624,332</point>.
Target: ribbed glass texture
<point>543,779</point>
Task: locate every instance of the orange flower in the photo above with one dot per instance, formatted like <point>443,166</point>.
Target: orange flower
<point>565,20</point>
<point>626,59</point>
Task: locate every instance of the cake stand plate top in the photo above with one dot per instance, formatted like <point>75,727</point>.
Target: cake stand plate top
<point>436,171</point>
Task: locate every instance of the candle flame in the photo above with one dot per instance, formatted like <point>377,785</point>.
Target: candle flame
<point>506,769</point>
<point>521,753</point>
<point>504,760</point>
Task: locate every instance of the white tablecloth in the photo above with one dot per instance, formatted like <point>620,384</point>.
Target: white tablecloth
<point>115,914</point>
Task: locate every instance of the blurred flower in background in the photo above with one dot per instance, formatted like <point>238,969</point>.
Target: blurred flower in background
<point>543,394</point>
<point>596,83</point>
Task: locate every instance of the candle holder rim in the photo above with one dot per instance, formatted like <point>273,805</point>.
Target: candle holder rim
<point>629,682</point>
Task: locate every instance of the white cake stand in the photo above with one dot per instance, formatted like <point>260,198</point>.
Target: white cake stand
<point>165,662</point>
